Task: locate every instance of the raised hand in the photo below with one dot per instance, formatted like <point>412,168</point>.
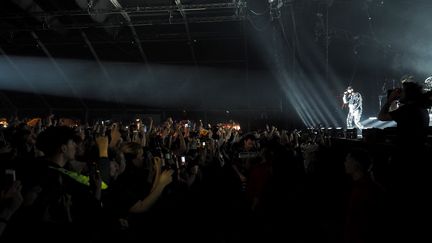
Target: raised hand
<point>157,163</point>
<point>115,136</point>
<point>165,178</point>
<point>102,144</point>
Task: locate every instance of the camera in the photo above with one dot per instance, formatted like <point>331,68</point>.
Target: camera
<point>392,90</point>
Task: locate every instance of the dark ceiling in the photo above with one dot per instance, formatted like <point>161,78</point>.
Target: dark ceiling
<point>195,31</point>
<point>133,31</point>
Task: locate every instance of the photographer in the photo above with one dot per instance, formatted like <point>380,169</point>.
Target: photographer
<point>407,107</point>
<point>136,191</point>
<point>410,166</point>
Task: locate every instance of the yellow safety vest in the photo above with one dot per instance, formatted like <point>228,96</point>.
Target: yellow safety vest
<point>83,179</point>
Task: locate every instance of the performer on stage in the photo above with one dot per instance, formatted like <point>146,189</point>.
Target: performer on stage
<point>427,88</point>
<point>428,84</point>
<point>354,102</point>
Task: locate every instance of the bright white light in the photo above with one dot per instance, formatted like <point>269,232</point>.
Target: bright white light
<point>372,118</point>
<point>271,1</point>
<point>36,75</point>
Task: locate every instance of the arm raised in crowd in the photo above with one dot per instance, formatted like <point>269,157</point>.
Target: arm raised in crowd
<point>115,136</point>
<point>181,138</point>
<point>159,185</point>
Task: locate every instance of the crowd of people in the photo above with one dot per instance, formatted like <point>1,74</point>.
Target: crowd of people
<point>186,181</point>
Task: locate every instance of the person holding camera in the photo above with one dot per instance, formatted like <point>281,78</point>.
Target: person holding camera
<point>407,107</point>
<point>137,190</point>
<point>410,163</point>
<point>354,101</point>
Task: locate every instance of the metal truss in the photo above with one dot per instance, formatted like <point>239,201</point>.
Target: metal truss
<point>139,16</point>
<point>135,11</point>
